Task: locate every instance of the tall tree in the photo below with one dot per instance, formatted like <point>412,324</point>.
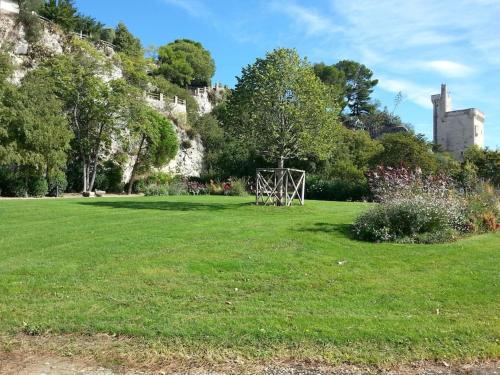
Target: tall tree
<point>185,62</point>
<point>62,12</point>
<point>334,78</point>
<point>95,103</point>
<point>281,109</point>
<point>126,42</point>
<point>43,131</point>
<point>359,85</point>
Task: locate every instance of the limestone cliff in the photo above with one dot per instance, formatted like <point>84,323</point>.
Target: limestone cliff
<point>189,159</point>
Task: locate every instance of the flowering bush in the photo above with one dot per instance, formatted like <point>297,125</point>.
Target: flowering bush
<point>411,219</point>
<point>422,209</point>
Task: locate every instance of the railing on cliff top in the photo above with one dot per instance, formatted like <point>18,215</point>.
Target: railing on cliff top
<point>81,35</point>
<point>201,91</point>
<point>159,97</point>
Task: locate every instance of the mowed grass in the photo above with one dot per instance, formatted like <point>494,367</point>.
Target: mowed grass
<point>218,274</point>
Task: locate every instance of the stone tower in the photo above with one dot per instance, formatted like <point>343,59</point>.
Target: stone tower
<point>456,131</point>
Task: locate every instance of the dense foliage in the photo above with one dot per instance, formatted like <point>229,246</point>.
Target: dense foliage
<point>185,62</point>
<point>281,109</point>
<point>423,208</point>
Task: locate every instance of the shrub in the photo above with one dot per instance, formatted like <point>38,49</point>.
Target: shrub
<point>57,184</point>
<point>38,187</point>
<point>156,190</point>
<point>420,218</point>
<point>336,189</point>
<point>483,208</point>
<point>19,189</point>
<point>177,187</point>
<point>417,208</point>
<point>215,188</point>
<point>196,188</point>
<point>237,188</point>
<point>109,177</point>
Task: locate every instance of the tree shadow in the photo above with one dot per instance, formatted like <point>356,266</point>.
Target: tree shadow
<point>341,229</point>
<point>165,205</point>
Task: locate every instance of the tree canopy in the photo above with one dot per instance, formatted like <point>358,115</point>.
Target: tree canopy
<point>405,149</point>
<point>281,109</point>
<point>125,42</point>
<point>185,62</point>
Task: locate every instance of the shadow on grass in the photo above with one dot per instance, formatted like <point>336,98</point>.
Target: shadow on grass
<point>166,206</point>
<point>344,230</point>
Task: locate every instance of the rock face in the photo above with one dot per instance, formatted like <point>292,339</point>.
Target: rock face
<point>189,159</point>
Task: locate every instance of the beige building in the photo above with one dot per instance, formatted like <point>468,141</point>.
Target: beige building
<point>456,131</point>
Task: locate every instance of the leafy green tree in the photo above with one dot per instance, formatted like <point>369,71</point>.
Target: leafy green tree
<point>334,78</point>
<point>359,85</point>
<point>213,139</point>
<point>127,43</point>
<point>43,129</point>
<point>34,133</point>
<point>487,163</point>
<point>96,108</point>
<point>405,149</point>
<point>282,110</point>
<point>185,62</point>
<point>157,142</point>
<point>62,12</point>
<point>88,26</point>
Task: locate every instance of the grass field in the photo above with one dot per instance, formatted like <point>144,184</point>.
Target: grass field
<point>217,274</point>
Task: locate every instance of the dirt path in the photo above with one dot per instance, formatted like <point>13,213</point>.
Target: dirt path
<point>19,364</point>
<point>108,355</point>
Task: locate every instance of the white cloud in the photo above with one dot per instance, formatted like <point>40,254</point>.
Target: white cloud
<point>448,68</point>
<point>192,7</point>
<point>309,20</point>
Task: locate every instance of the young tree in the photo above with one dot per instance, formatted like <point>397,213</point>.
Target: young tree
<point>157,141</point>
<point>282,110</point>
<point>185,62</point>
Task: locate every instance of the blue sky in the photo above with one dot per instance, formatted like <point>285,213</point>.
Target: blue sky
<point>412,46</point>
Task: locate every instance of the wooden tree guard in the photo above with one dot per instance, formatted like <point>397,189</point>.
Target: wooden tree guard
<point>280,186</point>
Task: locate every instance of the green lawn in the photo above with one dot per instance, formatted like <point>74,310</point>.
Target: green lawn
<point>220,274</point>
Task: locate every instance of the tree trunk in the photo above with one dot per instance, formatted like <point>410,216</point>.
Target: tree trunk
<point>95,157</point>
<point>280,176</point>
<point>84,175</point>
<point>134,168</point>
